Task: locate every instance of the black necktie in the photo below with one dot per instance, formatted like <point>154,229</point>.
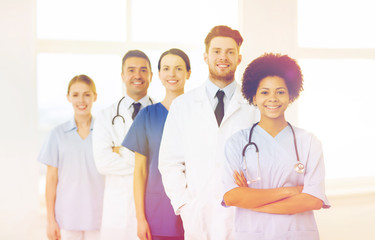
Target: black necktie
<point>136,107</point>
<point>219,111</point>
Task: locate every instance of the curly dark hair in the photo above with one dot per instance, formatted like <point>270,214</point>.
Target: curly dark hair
<point>271,64</point>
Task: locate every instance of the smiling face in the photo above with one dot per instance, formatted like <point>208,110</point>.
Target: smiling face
<point>81,97</point>
<point>272,98</point>
<point>222,59</point>
<point>173,73</point>
<point>137,75</point>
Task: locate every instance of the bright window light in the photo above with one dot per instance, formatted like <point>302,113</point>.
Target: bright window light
<point>336,106</point>
<point>336,23</point>
<point>89,20</point>
<point>189,24</point>
<point>154,29</point>
<point>54,71</point>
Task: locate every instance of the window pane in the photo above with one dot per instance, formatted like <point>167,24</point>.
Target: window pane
<point>336,23</point>
<point>180,21</point>
<point>92,20</point>
<point>336,106</point>
<point>54,72</point>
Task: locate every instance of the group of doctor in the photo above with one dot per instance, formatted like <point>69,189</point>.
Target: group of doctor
<point>170,170</point>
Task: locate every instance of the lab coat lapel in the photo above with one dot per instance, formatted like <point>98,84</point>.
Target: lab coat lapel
<point>234,104</point>
<point>204,105</point>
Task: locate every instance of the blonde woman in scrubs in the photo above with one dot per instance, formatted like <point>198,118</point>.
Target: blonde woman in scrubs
<point>275,200</point>
<point>74,188</point>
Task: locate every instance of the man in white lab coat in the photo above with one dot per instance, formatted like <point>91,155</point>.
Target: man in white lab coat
<point>192,148</point>
<point>114,161</point>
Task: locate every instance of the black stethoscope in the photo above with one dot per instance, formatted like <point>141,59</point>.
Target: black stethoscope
<point>298,167</point>
<point>118,111</point>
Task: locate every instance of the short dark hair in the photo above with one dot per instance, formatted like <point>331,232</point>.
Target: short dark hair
<point>135,53</point>
<point>177,52</point>
<point>223,31</point>
<point>271,64</point>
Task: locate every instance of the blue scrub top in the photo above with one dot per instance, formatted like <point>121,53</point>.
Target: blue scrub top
<point>144,137</point>
<point>277,158</point>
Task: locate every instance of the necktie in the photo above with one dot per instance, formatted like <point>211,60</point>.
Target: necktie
<point>136,107</point>
<point>219,111</point>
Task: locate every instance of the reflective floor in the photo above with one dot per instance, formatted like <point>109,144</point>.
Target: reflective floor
<point>350,218</point>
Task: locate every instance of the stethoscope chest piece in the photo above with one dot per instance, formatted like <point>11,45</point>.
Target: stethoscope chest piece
<point>299,167</point>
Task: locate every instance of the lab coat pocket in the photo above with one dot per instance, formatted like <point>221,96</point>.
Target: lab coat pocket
<point>191,219</point>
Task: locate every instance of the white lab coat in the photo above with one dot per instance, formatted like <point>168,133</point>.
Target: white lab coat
<point>119,220</point>
<point>191,160</point>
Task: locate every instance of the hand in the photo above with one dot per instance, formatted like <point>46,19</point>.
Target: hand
<point>240,179</point>
<point>53,230</point>
<point>116,149</point>
<point>143,230</point>
<point>298,189</point>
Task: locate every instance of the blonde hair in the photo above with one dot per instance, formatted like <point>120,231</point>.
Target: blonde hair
<point>85,79</point>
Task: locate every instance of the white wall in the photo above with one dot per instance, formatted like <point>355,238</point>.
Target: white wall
<point>18,128</point>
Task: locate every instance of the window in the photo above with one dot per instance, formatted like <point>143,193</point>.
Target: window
<point>55,70</point>
<point>338,92</point>
<point>336,102</point>
<point>84,20</point>
<point>336,24</point>
<point>91,36</point>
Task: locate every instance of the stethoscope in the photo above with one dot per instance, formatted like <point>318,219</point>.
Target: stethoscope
<point>118,111</point>
<point>298,167</point>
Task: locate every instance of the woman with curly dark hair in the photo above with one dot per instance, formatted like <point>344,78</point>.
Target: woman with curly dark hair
<point>274,172</point>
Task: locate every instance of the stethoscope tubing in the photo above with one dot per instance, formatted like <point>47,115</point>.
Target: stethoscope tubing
<point>118,111</point>
<point>299,167</point>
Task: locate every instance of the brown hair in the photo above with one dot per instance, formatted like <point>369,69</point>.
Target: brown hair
<point>85,79</point>
<point>177,52</point>
<point>223,31</point>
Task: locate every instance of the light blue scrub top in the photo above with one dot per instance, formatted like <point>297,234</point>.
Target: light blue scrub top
<point>79,194</point>
<point>144,137</point>
<point>277,158</point>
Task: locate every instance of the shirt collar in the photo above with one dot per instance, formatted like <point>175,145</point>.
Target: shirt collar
<point>228,90</point>
<point>128,101</point>
<point>72,126</point>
